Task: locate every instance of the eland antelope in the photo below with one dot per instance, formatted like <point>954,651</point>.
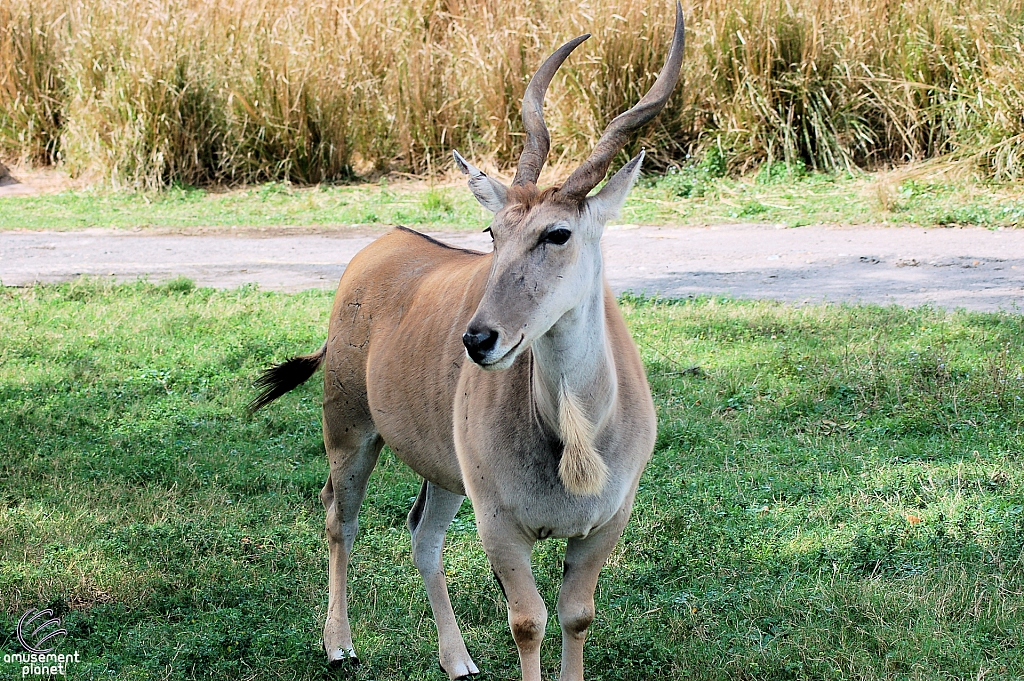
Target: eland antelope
<point>507,376</point>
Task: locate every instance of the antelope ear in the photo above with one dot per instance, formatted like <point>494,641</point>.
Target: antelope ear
<point>607,203</point>
<point>490,193</point>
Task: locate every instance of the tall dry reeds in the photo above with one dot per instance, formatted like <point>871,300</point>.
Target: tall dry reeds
<point>150,93</point>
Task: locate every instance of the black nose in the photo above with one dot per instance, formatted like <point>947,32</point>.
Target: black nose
<point>479,341</point>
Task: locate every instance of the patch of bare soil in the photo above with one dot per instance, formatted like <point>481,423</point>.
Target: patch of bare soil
<point>27,181</point>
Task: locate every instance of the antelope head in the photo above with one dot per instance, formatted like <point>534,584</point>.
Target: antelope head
<point>547,254</point>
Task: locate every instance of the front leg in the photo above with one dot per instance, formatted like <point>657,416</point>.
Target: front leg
<point>431,514</point>
<point>584,559</point>
<point>508,550</point>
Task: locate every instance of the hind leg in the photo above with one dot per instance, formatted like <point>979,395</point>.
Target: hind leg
<point>429,519</point>
<point>352,456</point>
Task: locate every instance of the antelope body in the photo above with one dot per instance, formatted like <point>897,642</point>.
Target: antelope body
<point>508,376</point>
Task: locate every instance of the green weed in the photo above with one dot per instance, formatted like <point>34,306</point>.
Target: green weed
<point>835,494</point>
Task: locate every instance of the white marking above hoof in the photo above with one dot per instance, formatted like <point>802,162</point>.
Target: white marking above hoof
<point>461,670</point>
<point>341,656</point>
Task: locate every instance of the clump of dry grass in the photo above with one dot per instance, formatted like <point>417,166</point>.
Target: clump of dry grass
<point>151,93</point>
<point>31,84</point>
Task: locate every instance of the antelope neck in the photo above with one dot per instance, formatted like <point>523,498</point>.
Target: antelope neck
<point>575,353</point>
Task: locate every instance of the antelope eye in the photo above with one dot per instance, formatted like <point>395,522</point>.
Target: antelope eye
<point>557,236</point>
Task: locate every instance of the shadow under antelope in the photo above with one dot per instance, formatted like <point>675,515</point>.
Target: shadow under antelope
<point>509,376</point>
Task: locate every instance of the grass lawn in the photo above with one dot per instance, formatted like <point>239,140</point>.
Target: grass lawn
<point>836,493</point>
<point>695,195</point>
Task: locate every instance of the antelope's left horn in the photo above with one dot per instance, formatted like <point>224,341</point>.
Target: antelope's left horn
<point>538,142</point>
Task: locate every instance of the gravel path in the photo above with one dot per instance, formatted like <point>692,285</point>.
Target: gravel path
<point>976,269</point>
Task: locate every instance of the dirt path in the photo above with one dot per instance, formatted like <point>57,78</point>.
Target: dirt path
<point>973,268</point>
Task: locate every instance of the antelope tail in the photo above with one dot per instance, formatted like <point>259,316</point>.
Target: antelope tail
<point>285,377</point>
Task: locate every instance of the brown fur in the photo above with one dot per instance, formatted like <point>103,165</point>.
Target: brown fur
<point>524,198</point>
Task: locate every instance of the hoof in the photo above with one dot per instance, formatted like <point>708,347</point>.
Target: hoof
<point>343,663</point>
<point>464,677</point>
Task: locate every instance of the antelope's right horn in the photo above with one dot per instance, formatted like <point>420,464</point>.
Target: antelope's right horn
<point>593,170</point>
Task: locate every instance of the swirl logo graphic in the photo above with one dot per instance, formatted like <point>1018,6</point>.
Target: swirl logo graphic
<point>42,634</point>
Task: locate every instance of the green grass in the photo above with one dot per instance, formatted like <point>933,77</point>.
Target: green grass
<point>694,195</point>
<point>791,196</point>
<point>269,205</point>
<point>775,533</point>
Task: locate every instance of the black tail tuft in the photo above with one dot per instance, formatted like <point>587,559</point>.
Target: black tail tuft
<point>284,377</point>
